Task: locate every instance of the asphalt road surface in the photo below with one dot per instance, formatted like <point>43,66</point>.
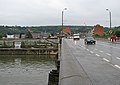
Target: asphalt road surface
<point>101,62</point>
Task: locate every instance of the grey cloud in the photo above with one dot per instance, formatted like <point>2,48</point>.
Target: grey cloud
<point>48,12</point>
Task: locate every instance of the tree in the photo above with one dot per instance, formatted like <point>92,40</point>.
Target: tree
<point>1,36</point>
<point>117,33</point>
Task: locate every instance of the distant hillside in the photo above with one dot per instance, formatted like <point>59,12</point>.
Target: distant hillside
<point>12,29</point>
<point>48,29</point>
<point>57,29</point>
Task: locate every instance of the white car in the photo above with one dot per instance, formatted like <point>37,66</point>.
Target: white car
<point>76,36</point>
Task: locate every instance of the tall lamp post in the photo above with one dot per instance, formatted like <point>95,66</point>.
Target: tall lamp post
<point>109,16</point>
<point>63,18</point>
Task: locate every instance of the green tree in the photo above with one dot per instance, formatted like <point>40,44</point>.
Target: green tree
<point>117,33</point>
<point>1,35</point>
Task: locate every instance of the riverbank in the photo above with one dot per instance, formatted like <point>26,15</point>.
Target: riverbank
<point>28,51</point>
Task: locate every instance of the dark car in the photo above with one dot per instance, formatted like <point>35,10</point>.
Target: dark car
<point>89,40</point>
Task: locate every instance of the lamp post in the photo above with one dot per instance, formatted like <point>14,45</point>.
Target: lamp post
<point>109,16</point>
<point>63,18</point>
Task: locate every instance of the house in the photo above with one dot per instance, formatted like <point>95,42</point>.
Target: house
<point>10,36</point>
<point>67,30</point>
<point>36,35</point>
<point>40,35</point>
<point>22,36</point>
<point>98,30</point>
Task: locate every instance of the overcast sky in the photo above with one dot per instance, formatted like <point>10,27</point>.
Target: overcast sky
<point>48,12</point>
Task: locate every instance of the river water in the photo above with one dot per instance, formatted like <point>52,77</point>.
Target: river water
<point>25,69</point>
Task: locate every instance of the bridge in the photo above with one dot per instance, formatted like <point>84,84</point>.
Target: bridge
<point>82,64</point>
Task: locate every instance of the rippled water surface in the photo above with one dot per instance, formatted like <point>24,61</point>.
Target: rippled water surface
<point>25,70</point>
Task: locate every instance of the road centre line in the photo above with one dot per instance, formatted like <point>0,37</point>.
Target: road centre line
<point>97,55</point>
<point>87,49</point>
<point>101,51</point>
<point>82,46</point>
<point>106,59</point>
<point>91,52</point>
<point>118,58</point>
<point>108,54</point>
<point>117,66</point>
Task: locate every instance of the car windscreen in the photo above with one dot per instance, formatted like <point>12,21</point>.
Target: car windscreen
<point>90,38</point>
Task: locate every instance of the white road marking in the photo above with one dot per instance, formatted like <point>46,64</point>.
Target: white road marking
<point>111,64</point>
<point>108,54</point>
<point>106,59</point>
<point>75,42</point>
<point>117,66</point>
<point>97,55</point>
<point>87,49</point>
<point>118,58</point>
<point>91,52</point>
<point>101,51</point>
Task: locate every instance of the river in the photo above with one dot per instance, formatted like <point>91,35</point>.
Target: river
<point>25,69</point>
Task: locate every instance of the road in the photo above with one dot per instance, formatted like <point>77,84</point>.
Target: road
<point>100,62</point>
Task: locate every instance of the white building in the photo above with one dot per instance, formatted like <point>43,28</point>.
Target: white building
<point>17,44</point>
<point>10,36</point>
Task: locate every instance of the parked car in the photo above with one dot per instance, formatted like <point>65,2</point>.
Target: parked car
<point>89,40</point>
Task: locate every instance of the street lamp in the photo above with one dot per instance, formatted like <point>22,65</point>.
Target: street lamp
<point>63,17</point>
<point>109,16</point>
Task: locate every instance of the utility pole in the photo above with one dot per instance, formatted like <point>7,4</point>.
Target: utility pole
<point>109,17</point>
<point>63,18</point>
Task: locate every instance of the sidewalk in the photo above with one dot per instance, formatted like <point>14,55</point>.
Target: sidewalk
<point>107,40</point>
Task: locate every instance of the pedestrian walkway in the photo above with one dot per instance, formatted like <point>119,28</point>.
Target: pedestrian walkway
<point>71,72</point>
<point>108,40</point>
